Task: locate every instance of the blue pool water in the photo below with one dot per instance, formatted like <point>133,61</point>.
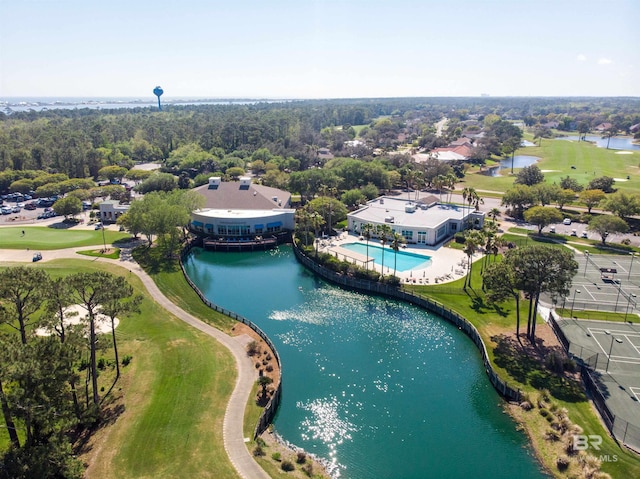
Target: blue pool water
<point>401,261</point>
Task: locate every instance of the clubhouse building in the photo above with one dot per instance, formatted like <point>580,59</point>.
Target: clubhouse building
<point>242,212</point>
<point>422,222</point>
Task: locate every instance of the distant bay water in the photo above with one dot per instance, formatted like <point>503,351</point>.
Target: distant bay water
<point>10,105</point>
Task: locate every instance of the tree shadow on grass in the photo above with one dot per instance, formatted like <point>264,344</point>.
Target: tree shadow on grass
<point>480,306</point>
<point>155,260</point>
<point>530,364</point>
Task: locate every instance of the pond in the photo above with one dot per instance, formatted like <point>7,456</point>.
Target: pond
<point>380,388</point>
<point>615,143</point>
<point>519,161</point>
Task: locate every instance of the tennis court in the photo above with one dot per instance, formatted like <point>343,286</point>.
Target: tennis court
<point>604,283</point>
<point>612,351</point>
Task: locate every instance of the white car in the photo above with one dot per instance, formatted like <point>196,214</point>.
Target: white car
<point>567,221</point>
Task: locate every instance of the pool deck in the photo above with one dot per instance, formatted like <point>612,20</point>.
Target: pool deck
<point>446,265</point>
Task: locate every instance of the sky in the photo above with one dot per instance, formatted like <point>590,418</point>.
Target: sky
<point>283,49</point>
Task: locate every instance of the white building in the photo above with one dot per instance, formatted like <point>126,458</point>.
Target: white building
<point>111,210</point>
<point>242,210</point>
<point>420,222</point>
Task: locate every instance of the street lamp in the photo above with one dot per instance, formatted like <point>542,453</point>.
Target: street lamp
<point>618,340</point>
<point>586,253</point>
<point>633,255</point>
<point>573,302</point>
<point>628,304</point>
<point>615,309</point>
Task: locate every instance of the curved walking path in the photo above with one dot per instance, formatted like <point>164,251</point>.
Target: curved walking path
<point>234,443</point>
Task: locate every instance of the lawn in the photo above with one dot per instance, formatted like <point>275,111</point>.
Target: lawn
<point>45,238</point>
<point>557,158</point>
<point>174,395</point>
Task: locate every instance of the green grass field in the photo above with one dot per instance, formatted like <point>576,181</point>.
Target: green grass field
<point>556,159</point>
<point>44,238</point>
<point>175,392</point>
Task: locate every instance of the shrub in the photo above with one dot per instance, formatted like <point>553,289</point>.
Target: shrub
<point>287,466</point>
<point>562,463</point>
<point>126,360</point>
<point>258,451</point>
<point>253,348</point>
<point>301,457</point>
<point>269,368</point>
<point>526,405</point>
<point>276,456</point>
<point>552,435</point>
<point>308,469</point>
<point>568,447</point>
<point>102,363</point>
<point>544,412</point>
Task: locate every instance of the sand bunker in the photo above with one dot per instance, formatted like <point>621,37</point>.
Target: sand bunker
<point>621,179</point>
<point>75,314</point>
<point>548,171</point>
<point>624,152</point>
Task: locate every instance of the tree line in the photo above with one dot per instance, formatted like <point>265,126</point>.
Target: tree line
<point>50,392</point>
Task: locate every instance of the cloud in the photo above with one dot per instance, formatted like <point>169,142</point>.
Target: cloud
<point>581,58</point>
<point>604,61</point>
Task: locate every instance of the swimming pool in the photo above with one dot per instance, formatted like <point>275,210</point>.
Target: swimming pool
<point>405,260</point>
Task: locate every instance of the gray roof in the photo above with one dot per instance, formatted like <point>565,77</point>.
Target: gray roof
<point>231,195</point>
<point>376,212</point>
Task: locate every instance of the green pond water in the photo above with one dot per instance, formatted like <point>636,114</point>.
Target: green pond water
<point>379,388</point>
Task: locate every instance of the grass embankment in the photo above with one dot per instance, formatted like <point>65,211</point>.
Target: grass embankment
<point>167,275</point>
<point>170,402</point>
<point>557,157</point>
<point>169,278</point>
<point>46,238</point>
<point>566,399</point>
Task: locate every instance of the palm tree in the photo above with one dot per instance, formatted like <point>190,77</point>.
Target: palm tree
<point>316,221</point>
<point>439,182</point>
<point>302,220</point>
<point>471,243</point>
<point>263,382</point>
<point>367,231</point>
<point>418,181</point>
<point>451,183</point>
<point>396,240</point>
<point>469,195</point>
<point>383,233</point>
<point>494,213</point>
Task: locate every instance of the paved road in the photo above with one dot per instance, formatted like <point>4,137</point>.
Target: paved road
<point>247,375</point>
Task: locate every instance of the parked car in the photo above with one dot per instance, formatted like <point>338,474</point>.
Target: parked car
<point>574,233</point>
<point>584,235</point>
<point>552,229</point>
<point>567,221</point>
<point>36,257</point>
<point>30,206</point>
<point>16,209</point>
<point>98,226</point>
<point>6,210</point>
